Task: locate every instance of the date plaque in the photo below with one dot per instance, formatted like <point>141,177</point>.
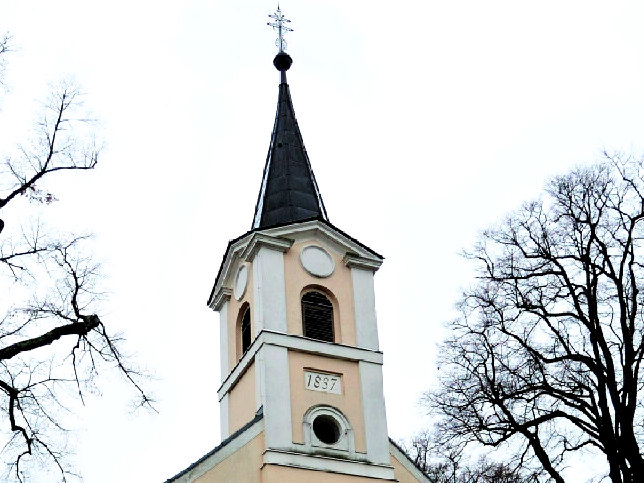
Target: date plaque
<point>322,381</point>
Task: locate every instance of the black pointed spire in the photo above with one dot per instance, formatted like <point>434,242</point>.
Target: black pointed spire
<point>289,192</point>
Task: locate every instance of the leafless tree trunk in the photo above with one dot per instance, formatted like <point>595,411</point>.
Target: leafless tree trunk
<point>546,358</point>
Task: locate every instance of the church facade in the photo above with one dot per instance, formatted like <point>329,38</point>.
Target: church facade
<point>301,396</point>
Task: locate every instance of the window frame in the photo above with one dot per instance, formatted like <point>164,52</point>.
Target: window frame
<point>242,328</point>
<point>331,307</point>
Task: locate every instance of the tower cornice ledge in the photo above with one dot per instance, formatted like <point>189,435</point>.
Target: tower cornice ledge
<point>221,297</point>
<point>300,344</point>
<point>259,240</point>
<point>352,260</point>
<point>328,464</point>
<point>281,238</point>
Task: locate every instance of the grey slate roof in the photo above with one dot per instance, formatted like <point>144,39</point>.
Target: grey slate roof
<point>289,192</point>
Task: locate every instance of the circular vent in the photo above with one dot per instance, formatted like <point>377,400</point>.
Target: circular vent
<point>326,429</point>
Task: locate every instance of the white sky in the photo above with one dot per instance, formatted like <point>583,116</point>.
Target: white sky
<point>424,121</point>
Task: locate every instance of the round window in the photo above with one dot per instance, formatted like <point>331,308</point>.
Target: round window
<point>326,429</point>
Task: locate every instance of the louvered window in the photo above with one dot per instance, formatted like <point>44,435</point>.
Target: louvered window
<point>317,315</point>
<point>245,331</point>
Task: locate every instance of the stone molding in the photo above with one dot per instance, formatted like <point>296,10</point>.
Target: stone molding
<point>221,297</point>
<point>259,240</point>
<point>297,343</point>
<point>329,464</point>
<point>352,260</point>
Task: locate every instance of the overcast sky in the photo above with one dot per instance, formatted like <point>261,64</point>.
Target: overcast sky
<point>425,122</point>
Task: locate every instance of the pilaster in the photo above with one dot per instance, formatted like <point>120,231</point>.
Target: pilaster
<point>223,340</point>
<point>276,395</point>
<point>364,302</point>
<point>269,290</point>
<point>375,416</point>
<point>224,422</point>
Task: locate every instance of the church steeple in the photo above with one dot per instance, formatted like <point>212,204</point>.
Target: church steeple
<point>288,192</point>
<point>301,395</point>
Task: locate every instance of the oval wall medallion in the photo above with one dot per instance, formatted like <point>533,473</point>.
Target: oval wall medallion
<point>317,261</point>
<point>240,282</point>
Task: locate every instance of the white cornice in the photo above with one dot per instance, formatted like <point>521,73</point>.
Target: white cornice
<point>328,464</point>
<point>259,240</point>
<point>245,247</point>
<point>280,238</point>
<point>300,344</point>
<point>349,244</point>
<point>352,260</point>
<point>230,255</point>
<point>221,297</point>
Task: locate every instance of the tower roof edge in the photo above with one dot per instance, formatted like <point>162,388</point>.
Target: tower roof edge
<point>286,229</point>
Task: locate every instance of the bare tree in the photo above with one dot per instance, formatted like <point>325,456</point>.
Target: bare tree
<point>545,360</point>
<point>52,341</point>
<point>444,463</point>
<point>5,41</point>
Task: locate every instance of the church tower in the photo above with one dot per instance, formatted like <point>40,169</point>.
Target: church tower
<point>301,396</point>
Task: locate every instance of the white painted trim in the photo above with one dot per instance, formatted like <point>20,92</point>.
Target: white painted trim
<point>374,412</point>
<point>329,464</point>
<point>333,234</point>
<point>258,298</point>
<point>224,420</point>
<point>259,379</point>
<point>312,227</point>
<point>224,271</point>
<point>240,368</point>
<point>223,340</point>
<point>232,447</point>
<point>364,306</point>
<point>338,351</point>
<point>403,459</point>
<point>345,443</point>
<point>278,427</point>
<point>259,240</point>
<point>301,344</point>
<point>221,297</point>
<point>354,261</point>
<point>269,290</point>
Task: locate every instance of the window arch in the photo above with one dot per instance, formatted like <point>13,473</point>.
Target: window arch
<point>244,335</point>
<point>317,316</point>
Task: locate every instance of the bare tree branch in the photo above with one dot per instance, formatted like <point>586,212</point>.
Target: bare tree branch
<point>53,343</point>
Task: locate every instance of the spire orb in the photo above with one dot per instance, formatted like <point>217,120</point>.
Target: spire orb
<point>282,61</point>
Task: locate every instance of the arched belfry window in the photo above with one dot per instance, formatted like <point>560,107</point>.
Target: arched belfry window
<point>244,335</point>
<point>317,316</point>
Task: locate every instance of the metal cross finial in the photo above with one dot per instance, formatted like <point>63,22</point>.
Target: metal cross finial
<point>278,25</point>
